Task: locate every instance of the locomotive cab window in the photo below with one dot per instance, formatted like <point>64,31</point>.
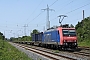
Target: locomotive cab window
<point>69,33</point>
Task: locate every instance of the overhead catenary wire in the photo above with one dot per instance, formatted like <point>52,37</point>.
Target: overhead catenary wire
<point>35,17</point>
<point>73,10</point>
<point>34,12</point>
<point>53,3</point>
<point>64,6</point>
<point>59,9</point>
<point>42,12</point>
<point>66,13</point>
<point>67,4</point>
<point>35,9</point>
<point>78,8</point>
<point>56,17</point>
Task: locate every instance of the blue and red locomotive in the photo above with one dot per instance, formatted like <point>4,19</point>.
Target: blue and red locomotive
<point>62,38</point>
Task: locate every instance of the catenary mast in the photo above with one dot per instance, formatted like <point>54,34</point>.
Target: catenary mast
<point>47,20</point>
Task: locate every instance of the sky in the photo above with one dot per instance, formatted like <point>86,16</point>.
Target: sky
<point>19,17</point>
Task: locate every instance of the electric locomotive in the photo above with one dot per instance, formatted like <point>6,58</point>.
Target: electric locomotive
<point>60,37</point>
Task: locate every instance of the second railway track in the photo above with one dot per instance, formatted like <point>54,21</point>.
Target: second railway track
<point>83,53</point>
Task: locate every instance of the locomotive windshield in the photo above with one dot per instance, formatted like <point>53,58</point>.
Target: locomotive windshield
<point>69,33</point>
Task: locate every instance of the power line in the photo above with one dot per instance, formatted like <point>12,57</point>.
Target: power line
<point>61,8</point>
<point>36,17</point>
<point>65,5</point>
<point>53,3</point>
<point>78,8</point>
<point>74,10</point>
<point>41,12</point>
<point>35,9</point>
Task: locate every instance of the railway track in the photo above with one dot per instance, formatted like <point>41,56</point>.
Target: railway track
<point>82,53</point>
<point>83,47</point>
<point>47,54</point>
<point>85,51</point>
<point>76,55</point>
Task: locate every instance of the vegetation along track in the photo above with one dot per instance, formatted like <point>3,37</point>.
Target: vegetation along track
<point>46,53</point>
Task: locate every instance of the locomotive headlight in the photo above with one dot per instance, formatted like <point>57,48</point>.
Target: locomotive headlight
<point>66,43</point>
<point>75,41</point>
<point>64,40</point>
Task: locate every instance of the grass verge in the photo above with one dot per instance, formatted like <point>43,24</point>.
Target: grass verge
<point>84,43</point>
<point>8,52</point>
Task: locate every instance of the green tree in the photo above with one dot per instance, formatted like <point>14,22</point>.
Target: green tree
<point>24,38</point>
<point>35,32</point>
<point>2,36</point>
<point>83,29</point>
<point>71,26</point>
<point>12,39</point>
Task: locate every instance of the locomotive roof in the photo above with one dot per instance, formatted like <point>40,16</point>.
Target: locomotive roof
<point>68,28</point>
<point>50,30</point>
<point>57,28</point>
